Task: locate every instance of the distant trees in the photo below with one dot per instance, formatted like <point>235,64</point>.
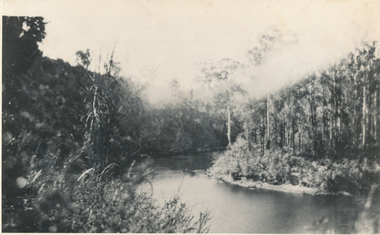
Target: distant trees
<point>60,121</point>
<point>334,112</point>
<point>320,131</point>
<point>182,125</point>
<point>217,79</point>
<point>222,81</point>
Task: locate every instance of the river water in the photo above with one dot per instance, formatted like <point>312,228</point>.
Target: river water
<point>236,209</point>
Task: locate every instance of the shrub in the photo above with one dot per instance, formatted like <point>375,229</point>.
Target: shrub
<point>102,203</point>
<point>281,166</point>
<point>96,202</point>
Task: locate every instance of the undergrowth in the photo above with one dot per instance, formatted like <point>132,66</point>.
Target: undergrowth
<point>100,203</point>
<point>282,167</point>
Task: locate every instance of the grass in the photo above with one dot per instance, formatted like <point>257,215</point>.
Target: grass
<point>101,203</point>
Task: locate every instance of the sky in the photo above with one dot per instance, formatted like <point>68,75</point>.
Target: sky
<point>158,41</point>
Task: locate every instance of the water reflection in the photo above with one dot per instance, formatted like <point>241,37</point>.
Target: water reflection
<point>237,209</point>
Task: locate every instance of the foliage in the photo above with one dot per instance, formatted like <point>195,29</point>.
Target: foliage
<point>319,132</point>
<point>61,121</point>
<point>91,202</point>
<point>218,80</point>
<point>181,126</point>
<point>43,144</point>
<point>103,203</point>
<point>332,112</point>
<point>283,167</point>
<point>20,38</point>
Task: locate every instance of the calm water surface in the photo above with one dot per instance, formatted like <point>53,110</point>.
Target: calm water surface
<point>236,209</point>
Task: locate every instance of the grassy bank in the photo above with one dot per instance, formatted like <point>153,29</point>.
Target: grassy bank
<point>280,168</point>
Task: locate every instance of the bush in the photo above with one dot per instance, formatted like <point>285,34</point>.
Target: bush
<point>93,202</point>
<point>281,166</point>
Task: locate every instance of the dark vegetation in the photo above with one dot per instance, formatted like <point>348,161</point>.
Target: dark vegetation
<point>75,144</point>
<point>284,167</point>
<point>320,132</point>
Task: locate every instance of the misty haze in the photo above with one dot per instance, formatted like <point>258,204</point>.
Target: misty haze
<point>190,116</point>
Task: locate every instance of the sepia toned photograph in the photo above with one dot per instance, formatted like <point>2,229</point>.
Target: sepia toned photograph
<point>190,116</point>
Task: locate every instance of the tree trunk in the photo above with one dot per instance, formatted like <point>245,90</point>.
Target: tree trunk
<point>262,133</point>
<point>375,115</point>
<point>364,117</point>
<point>287,134</point>
<point>268,125</point>
<point>354,117</point>
<point>323,129</point>
<point>293,147</point>
<point>281,133</point>
<point>335,120</point>
<point>331,131</point>
<point>299,134</point>
<point>229,125</point>
<point>368,114</point>
<point>248,135</point>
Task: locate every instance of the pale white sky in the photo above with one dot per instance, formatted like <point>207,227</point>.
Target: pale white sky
<point>157,41</point>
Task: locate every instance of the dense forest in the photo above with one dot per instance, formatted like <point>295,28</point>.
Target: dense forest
<point>320,131</point>
<point>77,143</point>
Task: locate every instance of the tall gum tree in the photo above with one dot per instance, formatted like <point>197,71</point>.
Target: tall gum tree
<point>267,44</point>
<point>364,62</point>
<point>218,80</point>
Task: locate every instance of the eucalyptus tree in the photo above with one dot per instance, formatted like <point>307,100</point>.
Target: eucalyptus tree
<point>365,71</point>
<point>218,80</point>
<point>267,43</point>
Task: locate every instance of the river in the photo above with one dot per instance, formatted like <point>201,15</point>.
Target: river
<point>236,209</point>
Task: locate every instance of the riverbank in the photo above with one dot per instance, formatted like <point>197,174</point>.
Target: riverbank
<point>288,188</point>
<point>295,173</point>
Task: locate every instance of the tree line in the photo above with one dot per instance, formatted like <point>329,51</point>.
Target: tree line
<point>66,127</point>
<point>333,112</point>
<point>318,131</point>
